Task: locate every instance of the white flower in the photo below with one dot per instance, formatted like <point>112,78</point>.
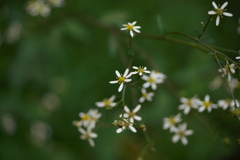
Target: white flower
<point>38,7</point>
<point>108,103</point>
<point>124,124</point>
<point>122,79</point>
<point>154,79</point>
<point>207,104</point>
<point>88,134</point>
<point>131,115</point>
<point>140,70</point>
<point>88,119</point>
<point>225,103</point>
<point>170,122</point>
<point>234,83</point>
<point>188,104</point>
<point>56,3</point>
<point>180,133</point>
<point>131,27</point>
<point>228,70</point>
<point>219,11</point>
<point>145,95</point>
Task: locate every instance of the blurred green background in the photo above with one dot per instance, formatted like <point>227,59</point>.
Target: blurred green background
<point>52,68</point>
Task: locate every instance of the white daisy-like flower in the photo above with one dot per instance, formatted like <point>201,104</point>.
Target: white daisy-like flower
<point>108,103</point>
<point>180,133</point>
<point>121,79</point>
<point>154,79</point>
<point>94,116</point>
<point>226,103</point>
<point>146,96</point>
<point>131,27</point>
<point>131,115</point>
<point>207,104</point>
<point>228,70</point>
<point>219,11</point>
<point>88,119</point>
<point>170,122</point>
<point>140,70</point>
<point>234,84</point>
<point>189,103</point>
<point>38,7</point>
<point>124,124</point>
<point>88,134</point>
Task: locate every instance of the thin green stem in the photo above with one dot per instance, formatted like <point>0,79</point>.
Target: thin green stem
<point>205,27</point>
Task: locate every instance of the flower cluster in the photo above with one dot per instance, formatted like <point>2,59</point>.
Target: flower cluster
<point>228,70</point>
<point>42,7</point>
<point>87,124</point>
<point>180,131</point>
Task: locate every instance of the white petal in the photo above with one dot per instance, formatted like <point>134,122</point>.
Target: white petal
<point>201,109</point>
<point>117,73</point>
<point>138,118</point>
<point>131,33</point>
<point>224,5</point>
<point>207,98</point>
<point>136,30</point>
<point>144,77</point>
<point>132,129</point>
<point>93,135</point>
<point>126,109</point>
<point>187,110</point>
<point>214,5</point>
<point>146,85</point>
<point>81,130</point>
<point>154,86</point>
<point>137,27</point>
<point>112,98</point>
<point>184,140</point>
<point>217,20</point>
<point>127,80</point>
<point>133,23</point>
<point>91,142</point>
<point>137,108</point>
<point>175,138</point>
<point>126,72</point>
<point>141,100</point>
<point>100,104</point>
<point>113,82</point>
<point>119,130</point>
<point>189,132</point>
<point>120,87</point>
<point>212,12</point>
<point>227,14</point>
<point>135,67</point>
<point>123,28</point>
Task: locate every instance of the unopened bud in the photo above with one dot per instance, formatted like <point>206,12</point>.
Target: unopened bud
<point>143,127</point>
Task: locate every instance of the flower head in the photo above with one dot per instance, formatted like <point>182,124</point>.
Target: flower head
<point>146,96</point>
<point>124,124</point>
<point>108,103</point>
<point>38,7</point>
<point>170,122</point>
<point>207,104</point>
<point>140,70</point>
<point>131,27</point>
<point>219,11</point>
<point>121,79</point>
<point>88,134</point>
<point>188,104</point>
<point>226,103</point>
<point>88,119</point>
<point>131,115</point>
<point>228,70</point>
<point>180,133</point>
<point>154,79</point>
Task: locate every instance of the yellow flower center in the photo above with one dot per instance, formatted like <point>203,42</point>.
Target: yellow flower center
<point>121,79</point>
<point>172,120</point>
<point>107,102</point>
<point>85,117</point>
<point>131,114</point>
<point>189,103</point>
<point>145,95</point>
<point>219,11</point>
<point>207,104</point>
<point>151,80</point>
<point>130,27</point>
<point>181,134</point>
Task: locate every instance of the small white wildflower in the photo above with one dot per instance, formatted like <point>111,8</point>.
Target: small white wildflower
<point>219,11</point>
<point>108,103</point>
<point>38,7</point>
<point>226,103</point>
<point>131,27</point>
<point>170,122</point>
<point>88,134</point>
<point>188,104</point>
<point>180,133</point>
<point>131,115</point>
<point>154,79</point>
<point>146,96</point>
<point>207,104</point>
<point>234,84</point>
<point>88,119</point>
<point>228,70</point>
<point>124,124</point>
<point>140,70</point>
<point>121,79</point>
